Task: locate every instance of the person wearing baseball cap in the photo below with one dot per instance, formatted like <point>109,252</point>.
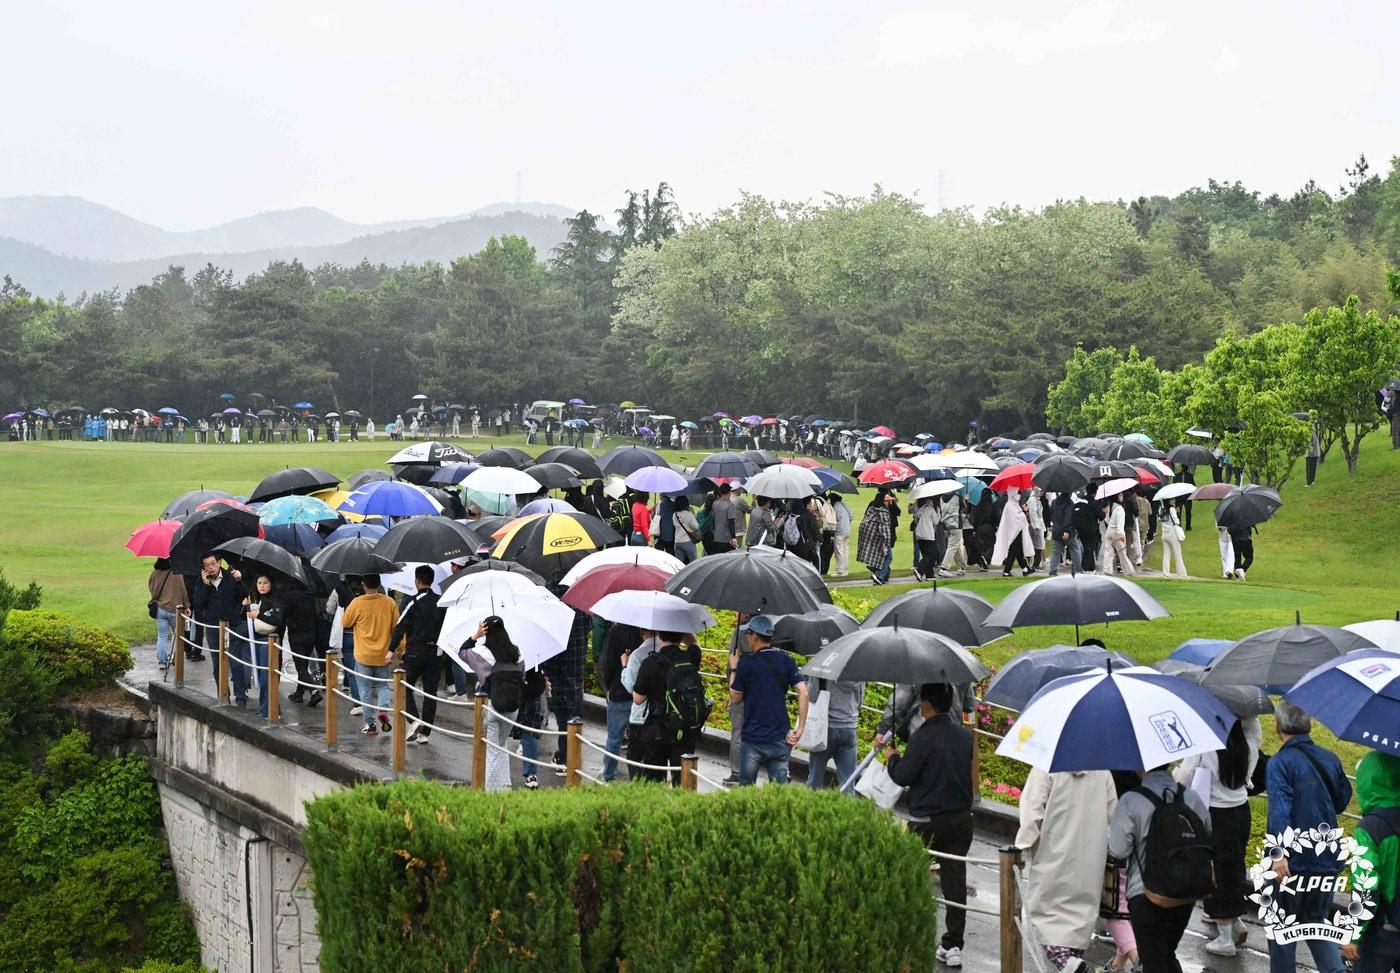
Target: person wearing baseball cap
<point>761,680</point>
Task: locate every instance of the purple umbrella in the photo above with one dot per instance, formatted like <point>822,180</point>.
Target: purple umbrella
<point>233,410</point>
<point>720,415</point>
<point>751,420</point>
<point>13,417</point>
<point>646,430</point>
<point>577,402</point>
<point>656,479</point>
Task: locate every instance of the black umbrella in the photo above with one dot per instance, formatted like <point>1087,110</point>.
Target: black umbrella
<point>297,538</point>
<point>898,655</point>
<point>1276,658</point>
<point>959,615</point>
<point>623,460</point>
<point>1127,449</point>
<point>1113,470</point>
<point>353,414</point>
<point>366,476</point>
<point>554,476</point>
<point>205,530</point>
<point>430,540</point>
<point>493,564</point>
<point>1026,674</point>
<point>298,480</point>
<point>810,632</point>
<point>583,462</point>
<point>801,568</point>
<point>743,581</point>
<point>1190,454</point>
<point>730,465</point>
<point>1076,599</point>
<point>354,555</point>
<point>187,503</point>
<point>1240,700</point>
<point>250,555</point>
<point>761,458</point>
<point>485,526</point>
<point>1251,505</point>
<point>541,545</point>
<point>419,474</point>
<point>516,459</point>
<point>1062,473</point>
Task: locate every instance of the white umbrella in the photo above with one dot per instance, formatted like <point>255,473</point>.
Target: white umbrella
<point>970,460</point>
<point>784,482</point>
<point>1175,491</point>
<point>1114,487</point>
<point>655,611</point>
<point>928,461</point>
<point>1200,433</point>
<point>935,488</point>
<point>502,480</point>
<point>488,585</point>
<point>615,487</point>
<point>1384,632</point>
<point>538,626</point>
<point>403,580</point>
<point>646,556</point>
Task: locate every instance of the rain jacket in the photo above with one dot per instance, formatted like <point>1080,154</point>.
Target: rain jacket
<point>1299,797</point>
<point>1378,788</point>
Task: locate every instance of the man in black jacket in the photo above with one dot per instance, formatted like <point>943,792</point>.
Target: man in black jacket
<point>1063,535</point>
<point>419,625</point>
<point>937,769</point>
<point>617,647</point>
<point>218,597</point>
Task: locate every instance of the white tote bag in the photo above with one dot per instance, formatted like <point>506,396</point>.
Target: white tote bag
<point>814,733</point>
<point>337,638</point>
<point>878,786</point>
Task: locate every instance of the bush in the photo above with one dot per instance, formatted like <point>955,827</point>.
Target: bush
<point>78,655</point>
<point>25,599</point>
<point>26,686</point>
<point>786,878</point>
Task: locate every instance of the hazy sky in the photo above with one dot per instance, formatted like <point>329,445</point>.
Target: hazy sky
<point>185,114</point>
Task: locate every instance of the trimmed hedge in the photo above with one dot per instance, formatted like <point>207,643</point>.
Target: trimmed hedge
<point>79,656</point>
<point>416,875</point>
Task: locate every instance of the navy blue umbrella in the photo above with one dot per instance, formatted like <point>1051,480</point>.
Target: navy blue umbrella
<point>1200,652</point>
<point>346,531</point>
<point>1028,673</point>
<point>297,538</point>
<point>1358,696</point>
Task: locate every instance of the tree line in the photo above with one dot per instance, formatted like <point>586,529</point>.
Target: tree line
<point>867,308</point>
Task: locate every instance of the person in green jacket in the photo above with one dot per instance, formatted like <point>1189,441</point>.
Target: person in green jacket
<point>1377,948</point>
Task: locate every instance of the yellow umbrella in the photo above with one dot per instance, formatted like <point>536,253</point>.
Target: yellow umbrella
<point>627,405</point>
<point>334,498</point>
<point>550,544</point>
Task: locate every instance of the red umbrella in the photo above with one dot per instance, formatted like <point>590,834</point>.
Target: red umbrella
<point>1146,477</point>
<point>153,539</point>
<point>806,462</point>
<point>883,431</point>
<point>1018,476</point>
<point>611,578</point>
<point>886,472</point>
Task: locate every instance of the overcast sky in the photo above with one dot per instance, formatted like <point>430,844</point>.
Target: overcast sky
<point>186,114</point>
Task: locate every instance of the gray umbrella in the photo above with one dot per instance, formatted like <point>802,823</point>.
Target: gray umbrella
<point>811,632</point>
<point>1190,454</point>
<point>960,615</point>
<point>1240,700</point>
<point>1277,658</point>
<point>899,655</point>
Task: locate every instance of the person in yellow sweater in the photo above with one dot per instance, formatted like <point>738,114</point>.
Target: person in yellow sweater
<point>373,615</point>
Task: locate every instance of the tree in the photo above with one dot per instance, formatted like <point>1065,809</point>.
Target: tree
<point>1075,402</point>
<point>1130,402</point>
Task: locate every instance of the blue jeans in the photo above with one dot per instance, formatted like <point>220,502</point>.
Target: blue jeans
<point>530,750</point>
<point>239,675</point>
<point>841,750</point>
<point>618,715</point>
<point>883,571</point>
<point>374,695</point>
<point>772,757</point>
<point>1311,906</point>
<point>1076,553</point>
<point>260,657</point>
<point>347,665</point>
<point>165,632</point>
<point>685,551</point>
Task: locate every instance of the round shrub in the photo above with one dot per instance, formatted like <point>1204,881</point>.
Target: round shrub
<point>79,656</point>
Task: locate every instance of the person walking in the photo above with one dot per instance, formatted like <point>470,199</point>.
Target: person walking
<point>841,538</point>
<point>417,629</point>
<point>725,536</point>
<point>372,617</point>
<point>1169,526</point>
<point>1064,538</point>
<point>1227,552</point>
<point>686,529</point>
<point>762,528</point>
<point>760,681</point>
<point>632,660</point>
<point>875,539</point>
<point>669,683</point>
<point>299,615</point>
<point>1115,540</point>
<point>1307,789</point>
<point>927,519</point>
<point>503,680</point>
<point>843,710</point>
<point>1377,947</point>
<point>167,591</point>
<point>955,523</point>
<point>1013,541</point>
<point>1064,837</point>
<point>1242,543</point>
<point>743,509</point>
<point>263,609</point>
<point>1035,522</point>
<point>825,519</point>
<point>621,639</point>
<point>937,768</point>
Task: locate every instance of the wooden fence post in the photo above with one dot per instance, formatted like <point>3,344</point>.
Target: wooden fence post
<point>1010,905</point>
<point>399,722</point>
<point>479,742</point>
<point>223,662</point>
<point>274,680</point>
<point>332,699</point>
<point>689,763</point>
<point>179,649</point>
<point>573,753</point>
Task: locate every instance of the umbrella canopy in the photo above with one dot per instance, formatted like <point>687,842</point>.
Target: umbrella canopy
<point>493,566</point>
<point>887,473</point>
<point>622,460</point>
<point>487,526</point>
<point>656,479</point>
<point>206,529</point>
<point>1190,454</point>
<point>584,463</point>
<point>744,581</point>
<point>723,465</point>
<point>1018,477</point>
<point>346,531</point>
<point>835,480</point>
<point>296,480</point>
<point>811,632</point>
<point>389,498</point>
<point>1214,491</point>
<point>537,622</point>
<point>297,538</point>
<point>1200,652</point>
<point>805,462</point>
<point>935,488</point>
<point>654,611</point>
<point>187,503</point>
<point>547,505</point>
<point>405,579</point>
<point>1279,657</point>
<point>1062,473</point>
<point>951,612</point>
<point>1024,675</point>
<point>1075,599</point>
<point>900,655</point>
<point>1127,449</point>
<point>801,568</point>
<point>366,476</point>
<point>761,458</point>
<point>296,510</point>
<point>1251,505</point>
<point>554,476</point>
<point>1240,700</point>
<point>516,459</point>
<point>1384,632</point>
<point>784,482</point>
<point>613,578</point>
<point>428,540</point>
<point>1116,719</point>
<point>1111,488</point>
<point>252,556</point>
<point>352,556</point>
<point>503,480</point>
<point>450,474</point>
<point>1357,696</point>
<point>489,586</point>
<point>648,556</point>
<point>550,544</point>
<point>153,539</point>
<point>419,474</point>
<point>1174,491</point>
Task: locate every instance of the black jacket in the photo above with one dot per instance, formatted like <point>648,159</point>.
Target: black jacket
<point>299,615</point>
<point>937,768</point>
<point>621,639</point>
<point>420,622</point>
<point>222,604</point>
<point>1062,516</point>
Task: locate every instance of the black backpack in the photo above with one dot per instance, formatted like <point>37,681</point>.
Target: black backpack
<point>684,708</point>
<point>507,687</point>
<point>1178,864</point>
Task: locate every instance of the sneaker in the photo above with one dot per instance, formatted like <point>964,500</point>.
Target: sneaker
<point>945,573</point>
<point>873,579</point>
<point>962,572</point>
<point>732,780</point>
<point>356,710</point>
<point>1026,572</point>
<point>918,576</point>
<point>951,957</point>
<point>532,782</point>
<point>419,738</point>
<point>1221,947</point>
<point>315,698</point>
<point>370,730</point>
<point>384,723</point>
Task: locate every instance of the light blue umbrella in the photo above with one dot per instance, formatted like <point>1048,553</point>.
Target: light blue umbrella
<point>656,479</point>
<point>1139,437</point>
<point>296,510</point>
<point>547,505</point>
<point>974,487</point>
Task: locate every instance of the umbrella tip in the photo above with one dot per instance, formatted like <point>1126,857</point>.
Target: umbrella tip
<point>1297,617</point>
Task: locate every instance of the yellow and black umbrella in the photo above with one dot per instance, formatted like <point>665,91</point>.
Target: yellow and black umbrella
<point>552,543</point>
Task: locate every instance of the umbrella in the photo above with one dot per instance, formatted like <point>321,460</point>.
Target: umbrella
<point>1017,682</point>
<point>899,655</point>
<point>296,510</point>
<point>206,529</point>
<point>547,505</point>
<point>958,615</point>
<point>539,627</point>
<point>428,540</point>
<point>353,414</point>
<point>332,415</point>
<point>1062,473</point>
<point>1384,632</point>
<point>1357,696</point>
<point>503,480</point>
<point>1174,491</point>
<point>265,413</point>
<point>1116,719</point>
<point>801,568</point>
<point>450,474</point>
<point>187,503</point>
<point>352,556</point>
<point>1279,657</point>
<point>297,538</point>
<point>1200,652</point>
<point>233,411</point>
<point>656,479</point>
<point>345,531</point>
<point>488,586</point>
<point>761,458</point>
<point>645,556</point>
<point>249,554</point>
<point>623,460</point>
<point>1127,449</point>
<point>1214,491</point>
<point>652,610</point>
<point>1075,599</point>
<point>1018,477</point>
<point>725,465</point>
<point>810,632</point>
<point>882,431</point>
<point>420,397</point>
<point>935,488</point>
<point>552,543</point>
<point>1240,700</point>
<point>577,402</point>
<point>153,539</point>
<point>366,476</point>
<point>389,498</point>
<point>1111,488</point>
<point>487,526</point>
<point>503,567</point>
<point>970,460</point>
<point>554,476</point>
<point>1251,505</point>
<point>744,581</point>
<point>164,410</point>
<point>506,456</point>
<point>13,417</point>
<point>805,462</point>
<point>296,480</point>
<point>784,482</point>
<point>887,472</point>
<point>303,405</point>
<point>687,424</point>
<point>432,451</point>
<point>583,463</point>
<point>835,480</point>
<point>614,578</point>
<point>1114,470</point>
<point>974,487</point>
<point>1190,454</point>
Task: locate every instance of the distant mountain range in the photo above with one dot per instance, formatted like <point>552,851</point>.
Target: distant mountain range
<point>66,245</point>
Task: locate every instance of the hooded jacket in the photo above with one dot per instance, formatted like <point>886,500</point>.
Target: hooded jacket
<point>1378,788</point>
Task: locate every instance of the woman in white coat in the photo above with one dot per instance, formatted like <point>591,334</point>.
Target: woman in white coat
<point>1169,527</point>
<point>1013,542</point>
<point>1064,839</point>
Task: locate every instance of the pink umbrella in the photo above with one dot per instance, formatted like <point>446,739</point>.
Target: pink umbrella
<point>886,472</point>
<point>153,539</point>
<point>882,431</point>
